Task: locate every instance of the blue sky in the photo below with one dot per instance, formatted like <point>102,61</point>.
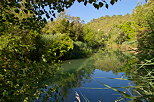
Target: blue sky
<point>87,13</point>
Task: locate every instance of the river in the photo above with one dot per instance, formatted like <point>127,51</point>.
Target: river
<point>90,79</point>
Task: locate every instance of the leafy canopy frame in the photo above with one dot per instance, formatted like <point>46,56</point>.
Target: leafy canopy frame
<point>37,7</point>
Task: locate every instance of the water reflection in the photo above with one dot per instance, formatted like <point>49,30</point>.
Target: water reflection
<point>73,74</point>
<point>115,61</point>
<point>140,74</point>
<point>86,77</point>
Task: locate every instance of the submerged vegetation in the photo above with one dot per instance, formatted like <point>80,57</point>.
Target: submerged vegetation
<point>32,48</point>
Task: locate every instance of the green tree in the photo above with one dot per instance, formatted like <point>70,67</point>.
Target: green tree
<point>144,18</point>
<point>64,23</point>
<point>92,37</point>
<point>129,31</point>
<point>22,68</point>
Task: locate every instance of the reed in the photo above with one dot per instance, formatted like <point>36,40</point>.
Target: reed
<point>143,78</point>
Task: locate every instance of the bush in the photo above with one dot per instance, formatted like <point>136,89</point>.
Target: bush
<point>56,46</point>
<point>80,50</point>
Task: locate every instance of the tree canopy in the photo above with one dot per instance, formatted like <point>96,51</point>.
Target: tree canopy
<point>31,48</point>
<point>38,7</point>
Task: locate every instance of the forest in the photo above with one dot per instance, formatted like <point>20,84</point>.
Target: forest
<point>32,48</point>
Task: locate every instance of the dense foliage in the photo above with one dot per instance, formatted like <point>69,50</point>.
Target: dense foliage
<point>133,32</point>
<point>129,32</point>
<point>31,47</point>
<point>28,53</point>
<point>21,59</point>
<point>38,6</point>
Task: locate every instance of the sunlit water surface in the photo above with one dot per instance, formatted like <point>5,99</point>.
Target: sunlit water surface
<point>86,78</point>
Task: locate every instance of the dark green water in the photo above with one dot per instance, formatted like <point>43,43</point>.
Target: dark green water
<point>86,77</point>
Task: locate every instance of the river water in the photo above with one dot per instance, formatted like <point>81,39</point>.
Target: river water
<point>90,79</point>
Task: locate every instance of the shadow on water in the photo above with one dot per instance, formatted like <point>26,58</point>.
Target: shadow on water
<point>96,79</point>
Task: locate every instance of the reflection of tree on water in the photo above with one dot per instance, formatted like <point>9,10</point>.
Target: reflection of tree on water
<point>115,61</point>
<point>141,75</point>
<point>73,74</point>
<point>64,81</point>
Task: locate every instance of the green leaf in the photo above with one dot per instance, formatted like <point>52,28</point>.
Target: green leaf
<point>90,1</point>
<point>85,3</point>
<point>107,6</point>
<point>47,15</point>
<point>101,4</point>
<point>51,19</point>
<point>5,93</point>
<point>80,1</point>
<point>96,5</point>
<point>39,17</point>
<point>54,15</point>
<point>26,11</point>
<point>113,1</point>
<point>16,10</point>
<point>41,12</point>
